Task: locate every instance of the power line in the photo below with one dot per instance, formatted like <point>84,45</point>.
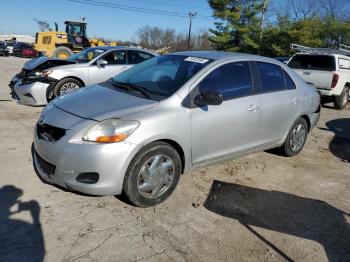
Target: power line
<point>172,4</point>
<point>136,9</point>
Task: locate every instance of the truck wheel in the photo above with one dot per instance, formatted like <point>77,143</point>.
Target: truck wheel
<point>152,174</point>
<point>66,85</point>
<point>341,101</point>
<point>62,52</point>
<point>296,138</point>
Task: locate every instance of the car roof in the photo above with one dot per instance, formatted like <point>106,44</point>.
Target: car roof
<point>107,48</point>
<point>216,55</point>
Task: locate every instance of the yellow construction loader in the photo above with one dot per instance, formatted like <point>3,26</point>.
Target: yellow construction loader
<point>62,44</point>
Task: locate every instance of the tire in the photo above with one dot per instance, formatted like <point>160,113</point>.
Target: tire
<point>148,192</point>
<point>341,101</point>
<point>66,85</point>
<point>62,50</point>
<point>289,148</point>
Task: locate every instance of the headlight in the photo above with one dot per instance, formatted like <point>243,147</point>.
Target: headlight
<point>110,131</point>
<point>45,73</point>
<point>34,74</point>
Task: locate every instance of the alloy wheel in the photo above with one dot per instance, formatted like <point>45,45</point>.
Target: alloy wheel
<point>68,87</point>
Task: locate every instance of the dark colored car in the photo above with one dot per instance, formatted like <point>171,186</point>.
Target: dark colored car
<point>3,50</point>
<point>24,50</point>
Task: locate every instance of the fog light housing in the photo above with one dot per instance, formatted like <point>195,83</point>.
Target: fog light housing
<point>88,178</point>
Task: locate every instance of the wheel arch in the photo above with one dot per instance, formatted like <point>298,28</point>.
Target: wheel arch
<point>74,77</point>
<point>308,121</point>
<point>178,148</point>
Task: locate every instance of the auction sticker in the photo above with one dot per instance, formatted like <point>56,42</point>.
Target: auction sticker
<point>196,59</point>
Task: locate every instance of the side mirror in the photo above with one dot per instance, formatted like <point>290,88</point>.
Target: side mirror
<point>101,63</point>
<point>207,98</point>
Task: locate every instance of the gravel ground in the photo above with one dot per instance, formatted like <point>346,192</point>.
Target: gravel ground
<point>262,207</point>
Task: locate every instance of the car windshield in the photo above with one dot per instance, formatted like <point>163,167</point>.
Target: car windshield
<point>87,55</point>
<point>159,77</point>
<point>313,62</point>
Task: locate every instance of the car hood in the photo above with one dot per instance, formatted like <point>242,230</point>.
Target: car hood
<point>42,63</point>
<point>98,103</point>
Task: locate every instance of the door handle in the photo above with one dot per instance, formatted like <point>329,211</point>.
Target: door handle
<point>307,73</point>
<point>253,108</point>
<point>293,101</point>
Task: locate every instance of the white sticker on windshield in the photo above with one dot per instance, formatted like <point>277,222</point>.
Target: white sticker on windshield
<point>196,59</point>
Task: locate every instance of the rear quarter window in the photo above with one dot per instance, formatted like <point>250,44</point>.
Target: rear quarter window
<point>313,62</point>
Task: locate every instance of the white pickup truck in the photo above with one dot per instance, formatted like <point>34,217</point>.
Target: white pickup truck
<point>329,73</point>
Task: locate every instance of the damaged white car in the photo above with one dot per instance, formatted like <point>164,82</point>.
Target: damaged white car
<point>42,79</point>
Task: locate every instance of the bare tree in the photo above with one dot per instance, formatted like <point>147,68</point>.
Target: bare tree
<point>43,25</point>
<point>296,9</point>
<point>335,8</point>
<point>156,38</point>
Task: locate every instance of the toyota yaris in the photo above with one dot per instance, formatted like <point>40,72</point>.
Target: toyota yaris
<point>139,131</point>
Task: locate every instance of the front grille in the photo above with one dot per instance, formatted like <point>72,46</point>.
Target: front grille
<point>48,168</point>
<point>49,133</point>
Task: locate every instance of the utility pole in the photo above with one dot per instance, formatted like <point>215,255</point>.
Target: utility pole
<point>263,13</point>
<point>191,16</point>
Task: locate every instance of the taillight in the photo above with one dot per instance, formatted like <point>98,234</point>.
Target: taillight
<point>335,80</point>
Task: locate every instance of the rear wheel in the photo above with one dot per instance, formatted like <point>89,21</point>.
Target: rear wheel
<point>296,138</point>
<point>62,52</point>
<point>152,175</point>
<point>341,101</point>
<point>65,86</point>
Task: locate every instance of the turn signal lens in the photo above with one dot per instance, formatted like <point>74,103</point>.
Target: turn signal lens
<point>110,131</point>
<point>111,139</point>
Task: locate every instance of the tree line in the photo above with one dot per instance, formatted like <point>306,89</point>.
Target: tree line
<point>157,38</point>
<point>269,27</point>
<point>265,27</point>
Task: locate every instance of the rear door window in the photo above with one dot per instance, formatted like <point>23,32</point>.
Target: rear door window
<point>313,62</point>
<point>271,77</point>
<point>231,80</point>
<point>116,58</point>
<point>136,57</point>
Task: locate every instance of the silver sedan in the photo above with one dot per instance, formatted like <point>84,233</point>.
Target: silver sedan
<point>42,79</point>
<point>138,132</point>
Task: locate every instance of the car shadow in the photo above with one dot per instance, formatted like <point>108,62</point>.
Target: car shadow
<point>340,144</point>
<point>285,213</point>
<point>19,240</point>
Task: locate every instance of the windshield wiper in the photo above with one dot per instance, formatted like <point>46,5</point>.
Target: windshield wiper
<point>129,86</point>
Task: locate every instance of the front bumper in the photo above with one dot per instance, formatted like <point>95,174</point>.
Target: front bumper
<point>61,162</point>
<point>33,94</point>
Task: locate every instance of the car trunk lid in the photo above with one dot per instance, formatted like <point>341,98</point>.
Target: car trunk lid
<point>320,79</point>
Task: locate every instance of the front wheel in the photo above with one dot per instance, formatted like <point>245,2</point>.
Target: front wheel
<point>341,101</point>
<point>66,85</point>
<point>152,175</point>
<point>296,138</point>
